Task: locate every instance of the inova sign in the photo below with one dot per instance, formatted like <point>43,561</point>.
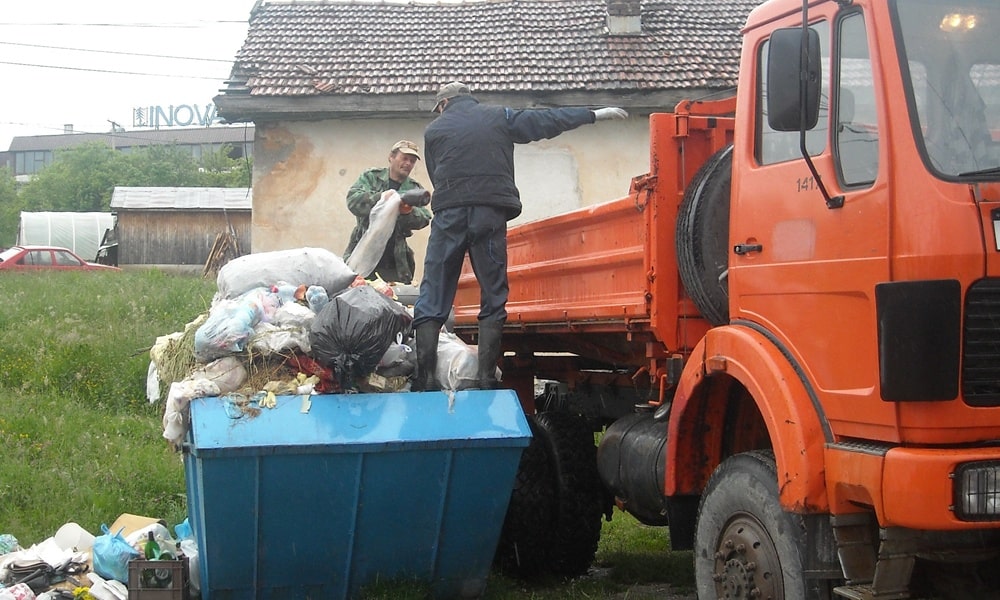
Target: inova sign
<point>182,115</point>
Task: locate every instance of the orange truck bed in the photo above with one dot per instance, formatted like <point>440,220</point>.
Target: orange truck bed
<point>602,281</point>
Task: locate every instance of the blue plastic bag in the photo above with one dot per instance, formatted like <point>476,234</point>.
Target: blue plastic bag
<point>111,554</point>
<point>183,530</point>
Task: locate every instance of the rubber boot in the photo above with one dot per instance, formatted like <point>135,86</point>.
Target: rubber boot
<point>427,346</point>
<point>490,333</point>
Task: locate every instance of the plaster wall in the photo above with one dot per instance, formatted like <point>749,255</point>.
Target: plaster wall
<point>302,171</point>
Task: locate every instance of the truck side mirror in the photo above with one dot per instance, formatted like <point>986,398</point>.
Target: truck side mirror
<point>784,107</point>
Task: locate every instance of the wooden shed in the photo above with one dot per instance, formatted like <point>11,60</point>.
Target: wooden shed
<point>179,226</point>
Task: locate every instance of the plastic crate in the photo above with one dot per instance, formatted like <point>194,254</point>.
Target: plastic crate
<point>158,580</point>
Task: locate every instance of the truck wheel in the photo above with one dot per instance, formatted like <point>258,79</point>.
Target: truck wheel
<point>746,546</point>
<point>553,522</point>
<point>702,237</point>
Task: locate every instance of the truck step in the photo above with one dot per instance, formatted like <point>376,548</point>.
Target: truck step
<point>865,592</point>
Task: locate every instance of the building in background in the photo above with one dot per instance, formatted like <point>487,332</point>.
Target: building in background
<point>330,86</point>
<point>28,155</point>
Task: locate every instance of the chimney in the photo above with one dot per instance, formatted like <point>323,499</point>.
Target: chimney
<point>624,17</point>
<point>68,128</point>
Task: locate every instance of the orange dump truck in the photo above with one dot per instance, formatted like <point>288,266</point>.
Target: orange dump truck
<point>788,331</point>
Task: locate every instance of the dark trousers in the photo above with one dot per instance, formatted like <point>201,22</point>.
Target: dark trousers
<point>482,232</point>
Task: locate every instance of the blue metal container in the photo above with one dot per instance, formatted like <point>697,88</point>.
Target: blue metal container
<point>323,495</point>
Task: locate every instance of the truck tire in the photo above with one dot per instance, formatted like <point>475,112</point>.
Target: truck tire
<point>553,522</point>
<point>745,545</point>
<point>702,237</point>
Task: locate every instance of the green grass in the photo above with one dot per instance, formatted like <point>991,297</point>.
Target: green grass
<point>80,442</point>
<point>78,439</point>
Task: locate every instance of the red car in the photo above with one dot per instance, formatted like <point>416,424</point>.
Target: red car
<point>38,258</point>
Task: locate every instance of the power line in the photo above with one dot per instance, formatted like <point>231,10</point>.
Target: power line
<point>18,64</point>
<point>116,52</point>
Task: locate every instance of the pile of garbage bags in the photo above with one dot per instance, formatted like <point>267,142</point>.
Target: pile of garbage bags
<point>309,324</point>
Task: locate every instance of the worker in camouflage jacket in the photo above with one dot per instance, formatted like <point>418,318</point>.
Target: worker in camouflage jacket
<point>397,263</point>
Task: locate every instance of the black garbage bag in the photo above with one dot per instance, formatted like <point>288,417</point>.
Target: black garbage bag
<point>352,332</point>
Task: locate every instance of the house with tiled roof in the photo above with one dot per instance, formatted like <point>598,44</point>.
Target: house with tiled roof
<point>331,84</point>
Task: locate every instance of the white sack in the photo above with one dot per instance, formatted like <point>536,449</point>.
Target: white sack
<point>227,372</point>
<point>457,363</point>
<point>300,266</point>
<point>381,222</point>
<point>177,414</point>
<point>268,338</point>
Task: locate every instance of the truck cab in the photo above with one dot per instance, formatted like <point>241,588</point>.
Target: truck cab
<point>860,282</point>
<point>787,334</point>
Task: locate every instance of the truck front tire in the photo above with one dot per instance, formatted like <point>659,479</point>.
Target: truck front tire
<point>746,546</point>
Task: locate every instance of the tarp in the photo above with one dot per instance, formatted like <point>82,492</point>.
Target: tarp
<point>81,232</point>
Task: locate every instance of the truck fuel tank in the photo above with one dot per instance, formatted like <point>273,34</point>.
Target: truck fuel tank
<point>631,460</point>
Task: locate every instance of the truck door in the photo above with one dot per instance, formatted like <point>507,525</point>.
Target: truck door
<point>810,285</point>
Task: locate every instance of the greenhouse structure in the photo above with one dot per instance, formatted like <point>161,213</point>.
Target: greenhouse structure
<point>81,232</point>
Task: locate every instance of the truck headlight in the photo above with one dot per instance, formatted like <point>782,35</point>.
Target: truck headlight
<point>977,491</point>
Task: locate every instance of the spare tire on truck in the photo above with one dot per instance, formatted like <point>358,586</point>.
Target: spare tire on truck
<point>553,521</point>
<point>702,237</point>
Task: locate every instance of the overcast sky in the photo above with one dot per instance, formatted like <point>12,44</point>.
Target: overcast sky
<point>86,64</point>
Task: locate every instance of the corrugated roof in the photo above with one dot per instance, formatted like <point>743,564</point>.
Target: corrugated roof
<point>182,198</point>
<point>302,48</point>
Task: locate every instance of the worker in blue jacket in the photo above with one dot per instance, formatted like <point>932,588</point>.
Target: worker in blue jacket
<point>469,154</point>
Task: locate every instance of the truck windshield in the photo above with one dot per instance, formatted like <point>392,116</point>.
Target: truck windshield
<point>951,60</point>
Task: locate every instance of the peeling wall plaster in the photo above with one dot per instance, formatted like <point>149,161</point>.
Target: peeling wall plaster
<point>302,171</point>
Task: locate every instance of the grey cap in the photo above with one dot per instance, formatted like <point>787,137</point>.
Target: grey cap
<point>450,90</point>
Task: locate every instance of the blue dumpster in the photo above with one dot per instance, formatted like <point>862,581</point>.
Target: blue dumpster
<point>322,495</point>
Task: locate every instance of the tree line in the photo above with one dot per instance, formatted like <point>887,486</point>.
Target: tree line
<point>83,178</point>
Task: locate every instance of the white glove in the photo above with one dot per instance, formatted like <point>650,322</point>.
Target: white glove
<point>606,114</point>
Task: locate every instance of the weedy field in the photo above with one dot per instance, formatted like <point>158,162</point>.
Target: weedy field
<point>80,442</point>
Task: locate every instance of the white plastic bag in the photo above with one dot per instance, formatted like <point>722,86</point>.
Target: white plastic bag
<point>227,372</point>
<point>457,363</point>
<point>398,360</point>
<point>293,314</point>
<point>231,322</point>
<point>17,591</point>
<point>301,266</point>
<point>371,246</point>
<point>176,413</point>
<point>152,383</point>
<point>268,338</point>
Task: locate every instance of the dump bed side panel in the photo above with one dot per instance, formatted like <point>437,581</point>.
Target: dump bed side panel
<point>587,267</point>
